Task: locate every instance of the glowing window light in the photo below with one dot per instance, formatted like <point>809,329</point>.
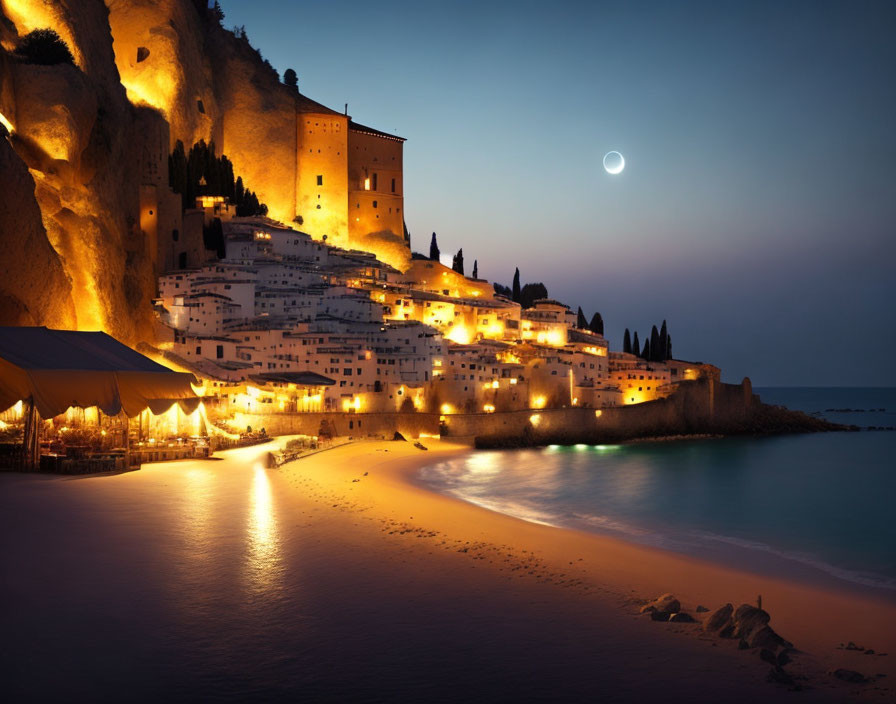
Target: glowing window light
<point>539,402</point>
<point>513,381</point>
<point>488,408</point>
<point>366,184</point>
<point>446,408</point>
<point>598,413</point>
<point>535,419</point>
<point>495,384</point>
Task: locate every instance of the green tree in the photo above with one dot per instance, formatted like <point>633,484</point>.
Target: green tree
<point>645,353</point>
<point>502,290</point>
<point>664,342</point>
<point>597,324</point>
<point>636,346</point>
<point>654,345</point>
<point>516,286</point>
<point>44,47</point>
<point>627,342</point>
<point>475,268</point>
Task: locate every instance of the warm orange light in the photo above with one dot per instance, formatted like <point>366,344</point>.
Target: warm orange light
<point>539,402</point>
<point>447,408</point>
<point>535,419</point>
<point>488,408</point>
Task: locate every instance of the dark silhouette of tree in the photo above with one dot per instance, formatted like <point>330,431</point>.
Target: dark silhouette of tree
<point>503,291</point>
<point>597,324</point>
<point>407,234</point>
<point>217,12</point>
<point>645,353</point>
<point>664,342</point>
<point>636,346</point>
<point>654,345</point>
<point>581,321</point>
<point>201,172</point>
<point>213,237</point>
<point>627,342</point>
<point>531,293</point>
<point>457,261</point>
<point>669,347</point>
<point>44,47</point>
<point>290,78</point>
<point>434,249</point>
<point>475,268</point>
<point>516,286</point>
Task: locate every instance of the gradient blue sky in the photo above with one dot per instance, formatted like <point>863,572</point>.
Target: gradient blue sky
<point>757,210</point>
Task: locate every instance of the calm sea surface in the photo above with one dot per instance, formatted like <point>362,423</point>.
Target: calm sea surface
<point>814,507</point>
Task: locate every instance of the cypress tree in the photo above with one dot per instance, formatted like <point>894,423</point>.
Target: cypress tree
<point>654,345</point>
<point>581,322</point>
<point>458,261</point>
<point>636,346</point>
<point>664,343</point>
<point>516,285</point>
<point>434,249</point>
<point>597,324</point>
<point>627,342</point>
<point>475,268</point>
<point>669,346</point>
<point>645,353</point>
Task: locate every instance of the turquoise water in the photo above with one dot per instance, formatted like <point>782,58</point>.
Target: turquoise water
<point>814,507</point>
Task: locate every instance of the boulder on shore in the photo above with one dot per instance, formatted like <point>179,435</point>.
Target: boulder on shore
<point>662,607</point>
<point>718,620</point>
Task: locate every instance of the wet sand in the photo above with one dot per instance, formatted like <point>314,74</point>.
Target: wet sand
<point>223,581</point>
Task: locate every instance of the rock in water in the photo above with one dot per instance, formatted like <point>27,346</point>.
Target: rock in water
<point>719,619</point>
<point>681,617</point>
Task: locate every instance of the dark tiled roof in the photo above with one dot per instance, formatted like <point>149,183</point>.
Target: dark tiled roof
<point>300,378</point>
<point>306,104</point>
<point>357,127</point>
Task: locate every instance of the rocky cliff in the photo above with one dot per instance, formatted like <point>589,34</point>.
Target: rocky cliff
<point>81,147</point>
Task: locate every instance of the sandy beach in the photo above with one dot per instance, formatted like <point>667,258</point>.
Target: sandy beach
<point>337,577</point>
<point>377,482</point>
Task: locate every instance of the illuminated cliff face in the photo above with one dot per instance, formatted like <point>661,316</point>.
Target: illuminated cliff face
<point>158,52</point>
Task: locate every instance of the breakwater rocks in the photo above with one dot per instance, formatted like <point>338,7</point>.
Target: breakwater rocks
<point>700,408</point>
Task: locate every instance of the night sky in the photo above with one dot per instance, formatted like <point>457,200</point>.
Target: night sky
<point>757,209</point>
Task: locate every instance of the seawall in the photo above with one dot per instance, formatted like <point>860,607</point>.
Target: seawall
<point>697,407</point>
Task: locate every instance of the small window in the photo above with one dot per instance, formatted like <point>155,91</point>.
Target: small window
<point>374,182</point>
<point>393,185</point>
<point>320,180</point>
<point>175,235</point>
<point>220,352</point>
<point>374,204</point>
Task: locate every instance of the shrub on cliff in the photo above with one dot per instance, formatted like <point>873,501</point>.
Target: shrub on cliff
<point>44,47</point>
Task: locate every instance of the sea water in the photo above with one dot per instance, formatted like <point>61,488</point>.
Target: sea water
<point>816,507</point>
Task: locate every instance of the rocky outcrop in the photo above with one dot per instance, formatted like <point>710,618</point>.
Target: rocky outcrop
<point>74,129</point>
<point>33,286</point>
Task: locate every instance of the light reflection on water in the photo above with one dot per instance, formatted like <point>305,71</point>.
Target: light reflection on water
<point>264,563</point>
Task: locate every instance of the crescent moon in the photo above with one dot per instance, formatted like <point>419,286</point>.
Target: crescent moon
<point>613,170</point>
